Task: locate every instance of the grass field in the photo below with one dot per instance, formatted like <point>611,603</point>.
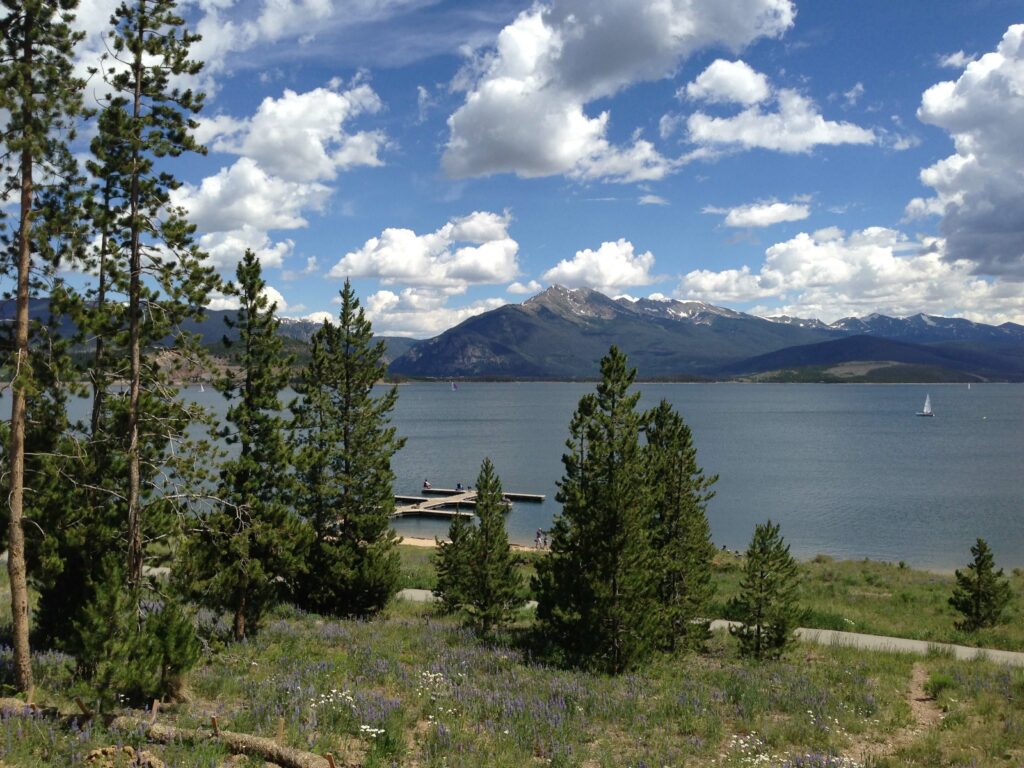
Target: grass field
<point>848,595</point>
<point>412,688</point>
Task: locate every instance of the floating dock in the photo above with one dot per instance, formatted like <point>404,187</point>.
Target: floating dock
<point>532,498</point>
<point>449,502</point>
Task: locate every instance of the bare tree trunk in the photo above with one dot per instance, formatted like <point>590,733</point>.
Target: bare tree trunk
<point>99,377</point>
<point>22,371</point>
<point>134,351</point>
<point>238,628</point>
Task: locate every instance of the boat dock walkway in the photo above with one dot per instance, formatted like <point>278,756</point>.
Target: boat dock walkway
<point>450,502</point>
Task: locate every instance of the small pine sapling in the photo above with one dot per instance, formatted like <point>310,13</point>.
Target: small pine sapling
<point>767,603</point>
<point>981,593</point>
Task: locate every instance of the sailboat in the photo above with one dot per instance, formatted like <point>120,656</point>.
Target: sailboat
<point>927,410</point>
<point>455,387</point>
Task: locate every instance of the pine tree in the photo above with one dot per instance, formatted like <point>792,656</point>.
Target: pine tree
<point>143,466</point>
<point>41,97</point>
<point>344,467</point>
<point>149,46</point>
<point>125,654</point>
<point>243,551</point>
<point>498,584</point>
<point>981,592</point>
<point>453,563</point>
<point>680,534</point>
<point>62,538</point>
<point>767,605</point>
<point>596,586</point>
<point>477,572</point>
<point>91,526</point>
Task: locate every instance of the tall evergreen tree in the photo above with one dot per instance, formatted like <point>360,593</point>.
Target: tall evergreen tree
<point>767,603</point>
<point>41,97</point>
<point>81,536</point>
<point>680,534</point>
<point>242,552</point>
<point>981,592</point>
<point>496,590</point>
<point>149,47</point>
<point>344,467</point>
<point>595,587</point>
<point>477,572</point>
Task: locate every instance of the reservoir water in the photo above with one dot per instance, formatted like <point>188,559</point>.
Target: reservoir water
<point>847,470</point>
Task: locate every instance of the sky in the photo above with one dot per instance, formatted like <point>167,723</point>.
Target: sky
<point>814,159</point>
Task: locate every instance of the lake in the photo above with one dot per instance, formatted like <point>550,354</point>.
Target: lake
<point>847,470</point>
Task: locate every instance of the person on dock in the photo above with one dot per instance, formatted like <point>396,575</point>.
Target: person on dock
<point>458,486</point>
<point>426,485</point>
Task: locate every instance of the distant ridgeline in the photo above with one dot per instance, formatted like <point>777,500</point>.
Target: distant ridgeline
<point>561,334</point>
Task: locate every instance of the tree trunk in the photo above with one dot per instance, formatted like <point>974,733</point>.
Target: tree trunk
<point>99,376</point>
<point>134,343</point>
<point>22,373</point>
<point>238,626</point>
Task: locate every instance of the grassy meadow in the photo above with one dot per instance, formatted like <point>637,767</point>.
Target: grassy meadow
<point>849,595</point>
<point>412,688</point>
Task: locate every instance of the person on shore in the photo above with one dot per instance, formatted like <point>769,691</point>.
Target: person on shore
<point>536,540</point>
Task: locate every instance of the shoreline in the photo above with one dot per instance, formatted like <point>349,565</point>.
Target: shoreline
<point>422,542</point>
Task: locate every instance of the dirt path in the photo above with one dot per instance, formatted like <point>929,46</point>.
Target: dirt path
<point>925,714</point>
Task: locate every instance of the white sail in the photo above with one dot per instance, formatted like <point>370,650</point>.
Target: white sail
<point>927,410</point>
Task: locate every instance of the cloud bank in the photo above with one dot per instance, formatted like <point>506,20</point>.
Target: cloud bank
<point>829,274</point>
<point>978,188</point>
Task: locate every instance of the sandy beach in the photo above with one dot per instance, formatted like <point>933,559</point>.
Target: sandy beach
<point>418,541</point>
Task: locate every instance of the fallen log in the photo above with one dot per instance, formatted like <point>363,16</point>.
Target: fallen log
<point>239,743</point>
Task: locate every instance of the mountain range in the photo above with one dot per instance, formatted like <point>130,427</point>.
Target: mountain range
<point>561,334</point>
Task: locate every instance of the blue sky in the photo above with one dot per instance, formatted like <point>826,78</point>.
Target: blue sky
<point>820,159</point>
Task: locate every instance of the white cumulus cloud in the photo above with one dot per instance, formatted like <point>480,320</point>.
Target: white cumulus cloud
<point>420,313</point>
<point>762,214</point>
<point>956,60</point>
<point>474,249</point>
<point>230,301</point>
<point>612,267</point>
<point>244,194</point>
<point>829,274</point>
<point>523,288</point>
<point>729,82</point>
<point>225,249</point>
<point>978,188</point>
<point>289,148</point>
<point>795,126</point>
<point>525,107</point>
<point>302,136</point>
<point>652,200</point>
